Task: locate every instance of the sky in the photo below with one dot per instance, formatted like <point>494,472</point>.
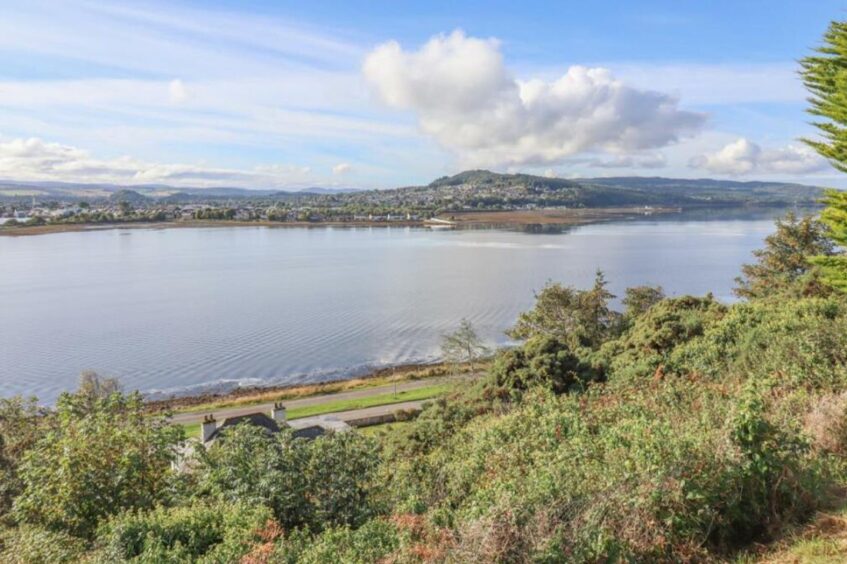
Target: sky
<point>374,94</point>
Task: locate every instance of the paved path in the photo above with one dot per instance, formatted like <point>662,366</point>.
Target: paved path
<point>358,414</point>
<point>220,414</point>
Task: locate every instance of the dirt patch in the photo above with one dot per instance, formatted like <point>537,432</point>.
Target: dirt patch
<point>551,216</point>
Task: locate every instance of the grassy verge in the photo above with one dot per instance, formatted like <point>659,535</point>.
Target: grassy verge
<point>384,430</point>
<point>334,406</point>
<point>242,398</point>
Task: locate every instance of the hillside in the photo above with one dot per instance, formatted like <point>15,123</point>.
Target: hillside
<point>466,191</point>
<point>707,187</point>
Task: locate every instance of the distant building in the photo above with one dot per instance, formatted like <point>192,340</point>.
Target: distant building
<point>307,428</point>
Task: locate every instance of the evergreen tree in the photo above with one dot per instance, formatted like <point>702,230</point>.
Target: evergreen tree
<point>784,266</point>
<point>825,76</point>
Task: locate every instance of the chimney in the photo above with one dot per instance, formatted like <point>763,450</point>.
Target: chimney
<point>208,427</point>
<point>278,413</point>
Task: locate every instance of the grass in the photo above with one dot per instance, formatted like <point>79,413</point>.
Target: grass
<point>384,430</point>
<point>334,406</point>
<point>426,392</point>
<point>382,378</point>
<point>821,541</point>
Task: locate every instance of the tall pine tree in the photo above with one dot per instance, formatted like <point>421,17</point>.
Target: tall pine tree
<point>825,76</point>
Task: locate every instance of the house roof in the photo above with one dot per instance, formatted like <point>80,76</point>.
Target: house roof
<point>257,419</point>
<point>307,428</point>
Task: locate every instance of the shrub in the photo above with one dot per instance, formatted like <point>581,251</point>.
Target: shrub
<point>635,470</point>
<point>33,545</point>
<point>654,335</point>
<point>580,318</point>
<point>319,483</point>
<point>802,343</point>
<point>198,532</point>
<point>372,542</point>
<point>102,456</point>
<point>542,361</point>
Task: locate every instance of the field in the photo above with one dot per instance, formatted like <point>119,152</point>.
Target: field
<point>551,216</point>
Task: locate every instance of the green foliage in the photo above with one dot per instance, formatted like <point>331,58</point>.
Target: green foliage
<point>825,76</point>
<point>639,299</point>
<point>542,361</point>
<point>198,532</point>
<point>22,424</point>
<point>463,345</point>
<point>33,545</point>
<point>803,343</point>
<point>580,318</point>
<point>638,472</point>
<point>784,266</point>
<point>653,336</point>
<point>101,457</point>
<point>372,542</point>
<point>328,481</point>
<point>834,216</point>
<point>215,213</point>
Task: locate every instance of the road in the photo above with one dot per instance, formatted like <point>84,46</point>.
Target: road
<point>220,414</point>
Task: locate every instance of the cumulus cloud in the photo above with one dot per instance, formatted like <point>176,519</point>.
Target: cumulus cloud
<point>341,168</point>
<point>744,157</point>
<point>36,159</point>
<point>465,97</point>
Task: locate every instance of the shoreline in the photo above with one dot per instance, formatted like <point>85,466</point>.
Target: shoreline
<point>245,396</point>
<point>545,216</point>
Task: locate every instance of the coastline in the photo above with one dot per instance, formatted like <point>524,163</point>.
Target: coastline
<point>250,395</point>
<point>547,216</point>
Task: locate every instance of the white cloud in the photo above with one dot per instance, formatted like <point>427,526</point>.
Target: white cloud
<point>743,156</point>
<point>36,159</point>
<point>177,92</point>
<point>465,97</point>
<point>653,160</point>
<point>341,168</point>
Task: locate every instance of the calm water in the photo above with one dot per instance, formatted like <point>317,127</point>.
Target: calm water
<point>184,309</point>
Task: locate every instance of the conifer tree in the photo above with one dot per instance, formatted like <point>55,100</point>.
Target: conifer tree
<point>825,76</point>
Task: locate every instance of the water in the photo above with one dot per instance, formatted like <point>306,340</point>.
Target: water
<point>179,310</point>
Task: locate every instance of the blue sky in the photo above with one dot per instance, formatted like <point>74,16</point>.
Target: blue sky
<point>381,94</point>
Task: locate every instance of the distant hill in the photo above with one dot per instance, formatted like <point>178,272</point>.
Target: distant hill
<point>468,190</point>
<point>703,186</point>
<point>475,186</point>
<point>129,196</point>
<point>319,191</point>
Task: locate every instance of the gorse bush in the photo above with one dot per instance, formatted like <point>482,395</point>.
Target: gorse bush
<point>648,471</point>
<point>372,542</point>
<point>35,545</point>
<point>802,343</point>
<point>542,361</point>
<point>198,532</point>
<point>653,336</point>
<point>315,484</point>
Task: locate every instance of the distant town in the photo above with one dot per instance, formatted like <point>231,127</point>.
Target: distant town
<point>27,205</point>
